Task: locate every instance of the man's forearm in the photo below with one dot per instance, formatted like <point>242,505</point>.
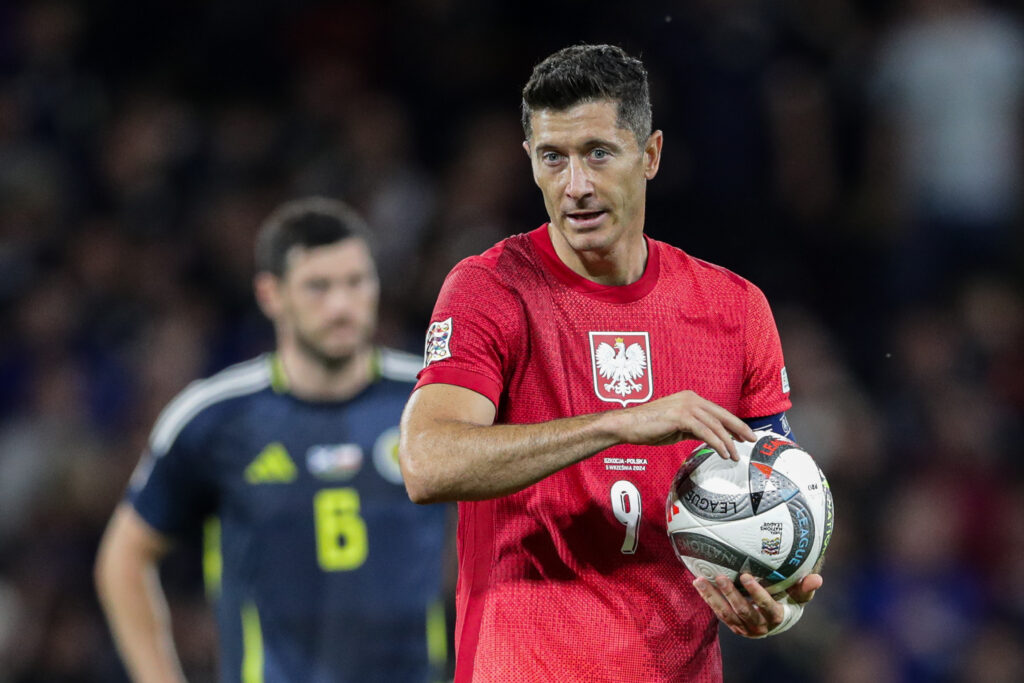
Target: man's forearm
<point>450,450</point>
<point>462,461</point>
<point>128,585</point>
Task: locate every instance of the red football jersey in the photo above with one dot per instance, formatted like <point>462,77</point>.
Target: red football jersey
<point>574,578</point>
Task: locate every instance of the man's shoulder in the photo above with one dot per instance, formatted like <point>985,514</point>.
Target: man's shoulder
<point>501,255</point>
<point>504,271</point>
<point>701,272</point>
<point>205,400</point>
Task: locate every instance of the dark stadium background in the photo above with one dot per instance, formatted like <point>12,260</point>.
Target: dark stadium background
<point>142,142</point>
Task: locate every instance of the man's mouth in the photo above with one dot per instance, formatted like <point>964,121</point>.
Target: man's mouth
<point>585,219</point>
<point>338,327</point>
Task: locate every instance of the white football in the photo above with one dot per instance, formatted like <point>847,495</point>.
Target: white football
<point>770,514</point>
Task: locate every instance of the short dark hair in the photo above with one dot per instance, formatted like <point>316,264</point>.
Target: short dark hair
<point>587,73</point>
<point>308,222</point>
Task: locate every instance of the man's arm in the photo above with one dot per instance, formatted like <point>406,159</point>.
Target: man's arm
<point>451,450</point>
<point>128,585</point>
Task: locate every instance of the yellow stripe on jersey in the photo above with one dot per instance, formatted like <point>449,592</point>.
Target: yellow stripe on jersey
<point>252,645</point>
<point>278,377</point>
<point>437,635</point>
<point>213,560</point>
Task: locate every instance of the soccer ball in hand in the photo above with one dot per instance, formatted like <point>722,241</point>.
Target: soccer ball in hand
<point>770,514</point>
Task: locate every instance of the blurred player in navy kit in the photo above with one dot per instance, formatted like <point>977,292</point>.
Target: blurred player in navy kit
<point>329,572</point>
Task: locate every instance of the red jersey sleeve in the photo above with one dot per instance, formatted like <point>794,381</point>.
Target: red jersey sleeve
<point>475,320</point>
<point>765,385</point>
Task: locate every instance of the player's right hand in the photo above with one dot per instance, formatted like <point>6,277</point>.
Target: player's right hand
<point>681,416</point>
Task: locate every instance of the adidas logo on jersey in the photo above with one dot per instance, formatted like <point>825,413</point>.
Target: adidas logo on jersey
<point>272,466</point>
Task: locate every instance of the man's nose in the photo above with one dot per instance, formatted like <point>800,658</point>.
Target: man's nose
<point>339,300</point>
<point>579,184</point>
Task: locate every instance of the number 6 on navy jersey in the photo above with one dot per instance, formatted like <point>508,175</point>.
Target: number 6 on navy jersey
<point>341,539</point>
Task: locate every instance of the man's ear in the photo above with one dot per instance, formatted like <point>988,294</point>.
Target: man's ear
<point>652,154</point>
<point>526,146</point>
<point>267,289</point>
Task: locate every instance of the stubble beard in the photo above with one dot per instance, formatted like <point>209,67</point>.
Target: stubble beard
<point>596,242</point>
<point>331,362</point>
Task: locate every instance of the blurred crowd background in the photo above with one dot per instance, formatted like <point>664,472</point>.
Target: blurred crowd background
<point>861,161</point>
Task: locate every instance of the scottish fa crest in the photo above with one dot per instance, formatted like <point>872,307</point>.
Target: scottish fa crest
<point>621,363</point>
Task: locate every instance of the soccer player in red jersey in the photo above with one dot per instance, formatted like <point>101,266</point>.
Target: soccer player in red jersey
<point>569,371</point>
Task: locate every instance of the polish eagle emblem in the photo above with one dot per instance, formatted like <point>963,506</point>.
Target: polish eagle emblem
<point>621,367</point>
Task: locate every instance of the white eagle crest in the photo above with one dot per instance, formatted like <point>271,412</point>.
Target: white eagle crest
<point>621,365</point>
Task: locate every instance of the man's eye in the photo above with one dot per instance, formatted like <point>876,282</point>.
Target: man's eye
<point>599,154</point>
<point>551,157</point>
<point>318,286</point>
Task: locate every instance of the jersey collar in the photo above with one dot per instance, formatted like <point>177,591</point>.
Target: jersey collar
<point>279,378</point>
<point>622,294</point>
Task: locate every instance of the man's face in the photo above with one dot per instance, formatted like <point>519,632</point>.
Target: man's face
<point>593,174</point>
<point>326,301</point>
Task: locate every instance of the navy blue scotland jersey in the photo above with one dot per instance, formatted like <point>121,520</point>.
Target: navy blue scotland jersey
<point>328,572</point>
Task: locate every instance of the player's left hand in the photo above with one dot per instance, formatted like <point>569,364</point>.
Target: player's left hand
<point>755,614</point>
